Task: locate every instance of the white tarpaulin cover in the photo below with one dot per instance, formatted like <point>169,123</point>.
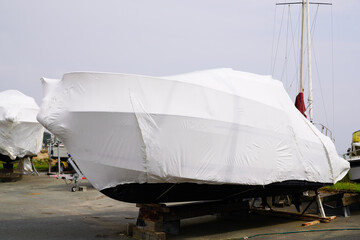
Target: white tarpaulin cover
<point>216,126</point>
<point>20,133</point>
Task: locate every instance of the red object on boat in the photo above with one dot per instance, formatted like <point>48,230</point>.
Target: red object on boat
<point>300,104</point>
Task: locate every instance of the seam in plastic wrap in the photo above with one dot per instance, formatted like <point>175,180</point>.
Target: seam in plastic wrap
<point>293,135</point>
<point>325,149</point>
<point>146,124</point>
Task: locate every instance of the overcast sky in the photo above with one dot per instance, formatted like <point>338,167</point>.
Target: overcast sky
<point>49,38</point>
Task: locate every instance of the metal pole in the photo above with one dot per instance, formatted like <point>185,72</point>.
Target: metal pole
<point>310,98</point>
<point>302,48</point>
<point>49,152</point>
<point>320,206</point>
<point>58,151</point>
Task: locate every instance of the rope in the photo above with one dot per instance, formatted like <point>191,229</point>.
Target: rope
<point>273,42</point>
<point>165,192</point>
<point>321,89</point>
<point>286,48</point>
<point>317,70</point>
<point>315,60</point>
<point>295,54</point>
<point>292,45</point>
<point>277,46</point>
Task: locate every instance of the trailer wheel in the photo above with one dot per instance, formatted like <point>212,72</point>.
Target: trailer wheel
<point>73,189</point>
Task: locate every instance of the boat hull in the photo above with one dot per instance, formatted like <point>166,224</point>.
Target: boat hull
<point>169,192</point>
<point>354,171</point>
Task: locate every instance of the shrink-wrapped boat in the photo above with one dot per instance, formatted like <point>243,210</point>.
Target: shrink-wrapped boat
<point>204,135</point>
<point>21,134</point>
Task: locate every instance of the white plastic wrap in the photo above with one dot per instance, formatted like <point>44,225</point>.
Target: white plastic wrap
<point>216,126</point>
<point>20,133</point>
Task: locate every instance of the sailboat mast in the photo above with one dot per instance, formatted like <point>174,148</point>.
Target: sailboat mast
<point>302,48</point>
<point>310,97</point>
<point>299,102</point>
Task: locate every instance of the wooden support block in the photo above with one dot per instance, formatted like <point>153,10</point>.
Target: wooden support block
<point>293,215</point>
<point>327,219</point>
<point>349,199</point>
<point>310,223</point>
<point>82,188</point>
<point>153,206</point>
<point>330,197</point>
<point>141,234</point>
<point>152,226</point>
<point>159,217</point>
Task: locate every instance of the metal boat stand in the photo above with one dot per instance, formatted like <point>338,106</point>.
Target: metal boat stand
<point>335,201</point>
<point>300,215</point>
<point>34,171</point>
<point>157,220</point>
<point>76,176</point>
<point>340,201</point>
<point>319,205</point>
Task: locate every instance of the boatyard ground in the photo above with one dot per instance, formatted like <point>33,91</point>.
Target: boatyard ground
<point>40,207</point>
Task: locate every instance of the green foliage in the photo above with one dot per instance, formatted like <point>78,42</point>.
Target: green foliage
<point>2,166</point>
<point>343,187</point>
<point>41,164</point>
